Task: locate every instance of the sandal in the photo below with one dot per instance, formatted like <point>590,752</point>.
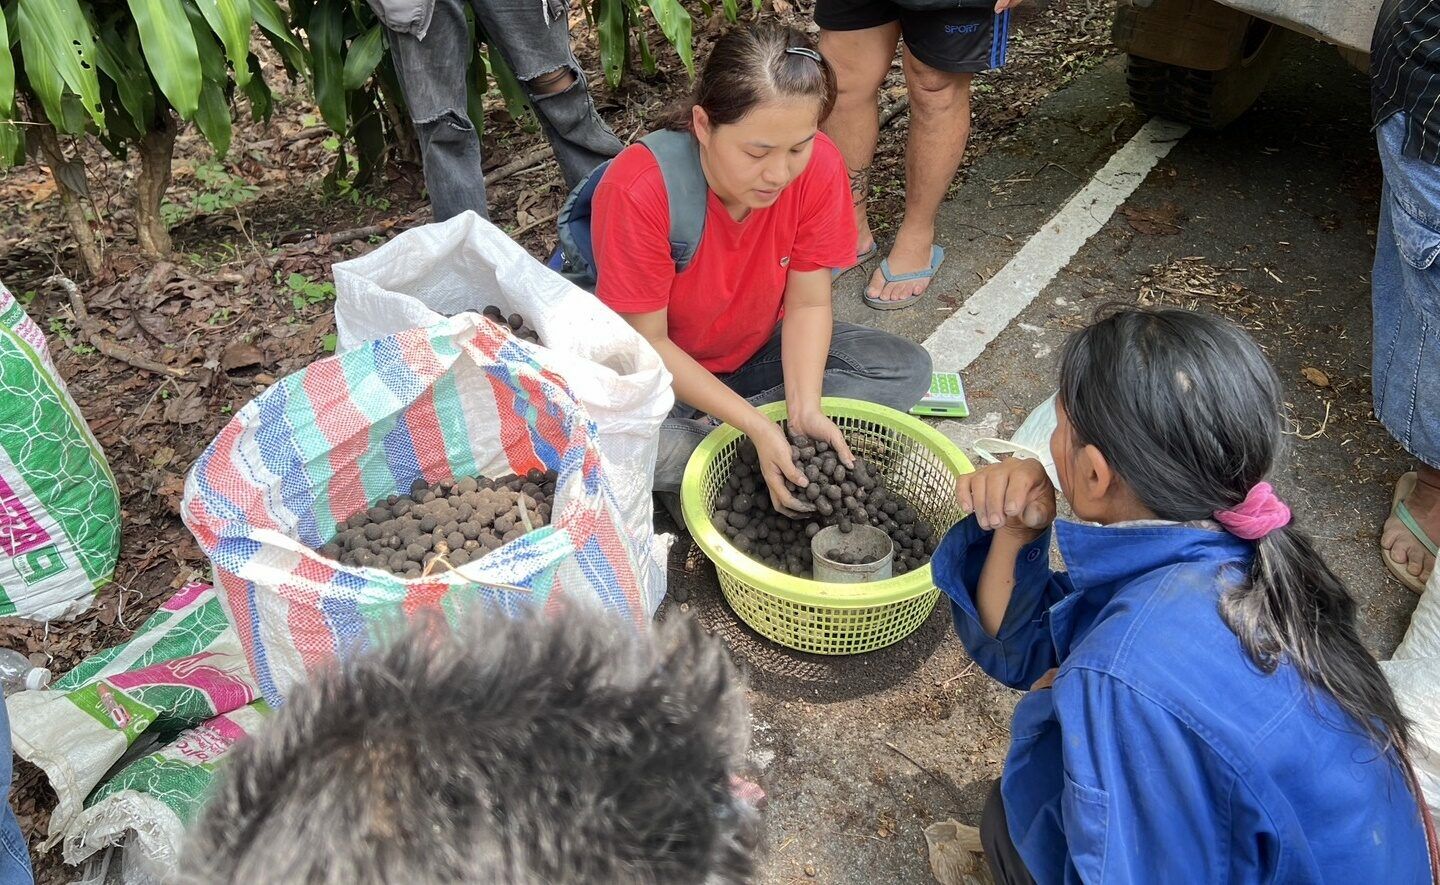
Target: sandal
<point>1403,488</point>
<point>860,258</point>
<point>937,255</point>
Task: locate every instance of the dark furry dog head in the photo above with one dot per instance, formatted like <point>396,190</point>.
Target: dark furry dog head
<point>565,750</point>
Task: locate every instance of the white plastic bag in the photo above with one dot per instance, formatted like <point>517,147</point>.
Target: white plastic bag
<point>1032,441</point>
<point>463,264</point>
<point>1414,675</point>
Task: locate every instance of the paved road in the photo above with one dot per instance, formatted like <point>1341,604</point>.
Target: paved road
<point>1270,223</point>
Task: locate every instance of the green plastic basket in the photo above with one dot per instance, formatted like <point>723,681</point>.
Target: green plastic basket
<point>832,619</point>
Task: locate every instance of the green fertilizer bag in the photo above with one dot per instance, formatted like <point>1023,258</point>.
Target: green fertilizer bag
<point>59,508</point>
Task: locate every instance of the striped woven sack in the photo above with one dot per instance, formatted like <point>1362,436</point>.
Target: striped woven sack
<point>457,399</point>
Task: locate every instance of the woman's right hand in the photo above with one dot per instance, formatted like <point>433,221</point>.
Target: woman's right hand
<point>1015,494</point>
<point>777,465</point>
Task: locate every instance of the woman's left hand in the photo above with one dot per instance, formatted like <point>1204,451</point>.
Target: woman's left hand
<point>813,423</point>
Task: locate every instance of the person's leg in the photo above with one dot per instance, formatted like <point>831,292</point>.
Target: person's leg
<point>865,364</point>
<point>942,50</point>
<point>1406,362</point>
<point>540,55</point>
<point>680,435</point>
<point>939,129</point>
<point>860,59</point>
<point>14,855</point>
<point>432,74</point>
<point>1005,862</point>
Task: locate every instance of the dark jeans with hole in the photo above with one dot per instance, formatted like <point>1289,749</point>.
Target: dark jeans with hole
<point>1005,862</point>
<point>433,74</point>
<point>864,364</point>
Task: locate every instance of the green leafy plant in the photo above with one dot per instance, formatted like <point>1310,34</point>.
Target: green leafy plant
<point>130,72</point>
<point>305,292</point>
<point>216,191</point>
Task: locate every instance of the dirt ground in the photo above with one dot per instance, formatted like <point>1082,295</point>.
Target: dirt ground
<point>245,299</point>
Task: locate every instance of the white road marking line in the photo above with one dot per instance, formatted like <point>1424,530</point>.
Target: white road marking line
<point>963,335</point>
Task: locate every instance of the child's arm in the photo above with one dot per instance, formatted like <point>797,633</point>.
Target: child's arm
<point>1016,501</point>
<point>999,582</point>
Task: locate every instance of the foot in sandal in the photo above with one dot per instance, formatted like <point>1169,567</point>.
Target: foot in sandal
<point>905,275</point>
<point>1409,537</point>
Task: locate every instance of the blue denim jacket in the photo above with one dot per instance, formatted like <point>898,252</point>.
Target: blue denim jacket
<point>1162,754</point>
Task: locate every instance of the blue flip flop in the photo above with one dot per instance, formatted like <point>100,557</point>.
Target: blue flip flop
<point>937,256</point>
<point>860,259</point>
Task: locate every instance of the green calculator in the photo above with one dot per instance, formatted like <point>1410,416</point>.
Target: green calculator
<point>946,397</point>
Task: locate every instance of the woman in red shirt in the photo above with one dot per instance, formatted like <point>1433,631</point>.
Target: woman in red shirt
<point>749,321</point>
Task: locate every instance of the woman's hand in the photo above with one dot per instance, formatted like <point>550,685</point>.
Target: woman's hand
<point>777,465</point>
<point>1002,5</point>
<point>814,424</point>
<point>1015,495</point>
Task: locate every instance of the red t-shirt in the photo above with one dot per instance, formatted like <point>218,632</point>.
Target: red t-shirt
<point>725,305</point>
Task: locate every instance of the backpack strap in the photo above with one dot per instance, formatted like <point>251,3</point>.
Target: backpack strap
<point>678,155</point>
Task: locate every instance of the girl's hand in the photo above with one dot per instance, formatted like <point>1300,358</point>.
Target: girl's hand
<point>814,424</point>
<point>1015,495</point>
<point>1002,5</point>
<point>776,465</point>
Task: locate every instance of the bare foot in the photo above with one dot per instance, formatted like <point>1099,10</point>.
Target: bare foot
<point>1424,505</point>
<point>910,253</point>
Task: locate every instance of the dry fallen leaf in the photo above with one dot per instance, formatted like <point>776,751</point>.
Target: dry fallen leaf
<point>956,856</point>
<point>1315,376</point>
<point>239,355</point>
<point>185,410</point>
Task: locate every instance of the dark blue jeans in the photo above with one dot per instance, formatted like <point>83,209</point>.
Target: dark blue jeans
<point>865,364</point>
<point>14,855</point>
<point>433,74</point>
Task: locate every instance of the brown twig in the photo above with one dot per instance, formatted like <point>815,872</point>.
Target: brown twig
<point>93,333</point>
<point>899,106</point>
<point>911,759</point>
<point>520,164</point>
<point>534,223</point>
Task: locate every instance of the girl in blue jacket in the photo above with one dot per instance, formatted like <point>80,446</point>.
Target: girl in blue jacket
<point>1202,708</point>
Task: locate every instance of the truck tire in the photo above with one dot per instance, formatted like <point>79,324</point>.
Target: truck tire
<point>1208,99</point>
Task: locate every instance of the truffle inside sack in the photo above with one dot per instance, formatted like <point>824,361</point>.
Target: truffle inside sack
<point>444,526</point>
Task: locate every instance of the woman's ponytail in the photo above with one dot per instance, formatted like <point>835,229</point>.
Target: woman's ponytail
<point>1293,607</point>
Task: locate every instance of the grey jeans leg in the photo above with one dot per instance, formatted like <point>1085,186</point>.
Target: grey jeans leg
<point>578,136</point>
<point>433,75</point>
<point>865,364</point>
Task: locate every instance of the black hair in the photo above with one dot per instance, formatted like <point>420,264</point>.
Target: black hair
<point>512,751</point>
<point>751,65</point>
<point>1187,410</point>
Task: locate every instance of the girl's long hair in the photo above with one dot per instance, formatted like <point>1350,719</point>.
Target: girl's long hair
<point>1186,409</point>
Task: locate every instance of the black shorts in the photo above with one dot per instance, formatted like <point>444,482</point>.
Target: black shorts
<point>960,41</point>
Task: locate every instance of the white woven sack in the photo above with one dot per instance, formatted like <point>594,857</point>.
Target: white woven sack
<point>1414,674</point>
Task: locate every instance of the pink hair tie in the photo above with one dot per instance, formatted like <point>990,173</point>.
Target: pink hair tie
<point>1261,513</point>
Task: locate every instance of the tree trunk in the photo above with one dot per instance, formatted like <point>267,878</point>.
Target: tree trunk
<point>69,178</point>
<point>157,149</point>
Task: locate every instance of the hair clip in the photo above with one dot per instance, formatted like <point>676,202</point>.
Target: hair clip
<point>805,52</point>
